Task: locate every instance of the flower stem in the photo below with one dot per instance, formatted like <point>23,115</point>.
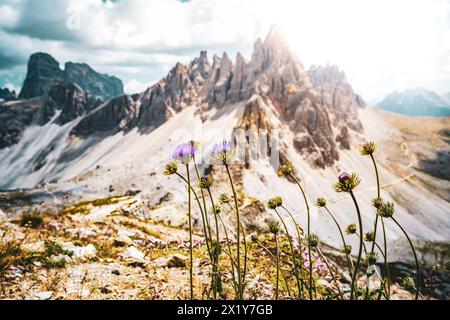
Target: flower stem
<point>200,208</point>
<point>281,270</point>
<point>309,233</point>
<point>191,260</point>
<point>297,228</point>
<point>278,266</point>
<point>216,277</point>
<point>378,197</point>
<point>205,218</point>
<point>388,289</point>
<point>415,257</point>
<point>349,259</point>
<point>375,230</point>
<point>238,234</point>
<point>291,245</point>
<point>231,257</point>
<point>331,272</point>
<point>361,243</point>
<point>244,273</point>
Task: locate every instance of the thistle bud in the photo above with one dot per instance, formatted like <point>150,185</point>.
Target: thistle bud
<point>347,249</point>
<point>285,170</point>
<point>313,240</point>
<point>370,236</point>
<point>205,182</point>
<point>321,202</point>
<point>407,283</point>
<point>171,169</point>
<point>368,148</point>
<point>224,198</point>
<point>372,258</point>
<point>346,182</point>
<point>351,229</point>
<point>386,210</point>
<point>377,203</point>
<point>275,202</point>
<point>273,226</point>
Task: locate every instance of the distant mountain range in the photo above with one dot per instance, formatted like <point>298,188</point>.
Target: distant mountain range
<point>417,102</point>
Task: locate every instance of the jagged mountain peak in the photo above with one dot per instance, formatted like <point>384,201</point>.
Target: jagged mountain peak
<point>273,74</point>
<point>43,70</point>
<point>330,73</point>
<point>275,37</point>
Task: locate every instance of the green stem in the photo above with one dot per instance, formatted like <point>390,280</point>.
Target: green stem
<point>238,234</point>
<point>231,257</point>
<point>291,245</point>
<point>309,233</point>
<point>204,202</point>
<point>216,254</point>
<point>415,257</point>
<point>278,266</point>
<point>299,239</point>
<point>376,225</point>
<point>244,240</point>
<point>281,270</point>
<point>361,243</point>
<point>364,245</point>
<point>191,260</point>
<point>201,211</point>
<point>331,272</point>
<point>388,289</point>
<point>349,259</point>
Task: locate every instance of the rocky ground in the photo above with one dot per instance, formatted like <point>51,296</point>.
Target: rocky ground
<point>103,250</point>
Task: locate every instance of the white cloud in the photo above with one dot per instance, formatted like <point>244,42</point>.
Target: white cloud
<point>135,86</point>
<point>9,16</point>
<point>382,45</point>
<point>11,87</point>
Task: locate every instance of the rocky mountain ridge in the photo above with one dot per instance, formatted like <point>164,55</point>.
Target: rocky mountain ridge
<point>312,113</point>
<point>317,109</point>
<point>44,70</point>
<point>7,95</point>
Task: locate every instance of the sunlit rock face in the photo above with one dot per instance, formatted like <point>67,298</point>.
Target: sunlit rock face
<point>337,95</point>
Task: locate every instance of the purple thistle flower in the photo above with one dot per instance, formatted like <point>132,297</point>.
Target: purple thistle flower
<point>225,146</point>
<point>184,152</point>
<point>346,182</point>
<point>344,176</point>
<point>223,152</point>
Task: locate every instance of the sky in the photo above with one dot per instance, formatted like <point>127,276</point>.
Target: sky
<point>382,45</point>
